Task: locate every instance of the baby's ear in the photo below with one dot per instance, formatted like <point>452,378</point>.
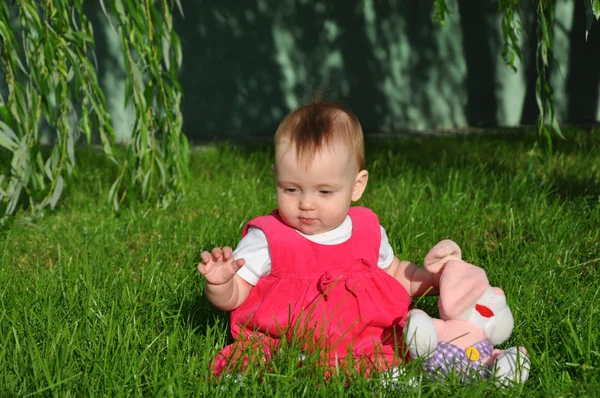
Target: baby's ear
<point>440,254</point>
<point>360,184</point>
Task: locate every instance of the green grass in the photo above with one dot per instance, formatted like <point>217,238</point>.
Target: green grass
<point>93,303</point>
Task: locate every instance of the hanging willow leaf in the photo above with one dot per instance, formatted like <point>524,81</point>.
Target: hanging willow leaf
<point>152,53</point>
<point>48,76</point>
<point>511,31</point>
<point>166,43</point>
<point>8,139</point>
<point>592,10</point>
<point>179,55</point>
<point>178,2</point>
<point>13,193</point>
<point>113,193</point>
<point>58,188</point>
<point>51,81</point>
<point>440,11</point>
<point>544,91</point>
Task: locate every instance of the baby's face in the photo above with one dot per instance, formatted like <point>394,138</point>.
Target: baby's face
<point>315,198</point>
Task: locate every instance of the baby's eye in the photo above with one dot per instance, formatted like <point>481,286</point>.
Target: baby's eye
<point>290,190</point>
<point>325,192</point>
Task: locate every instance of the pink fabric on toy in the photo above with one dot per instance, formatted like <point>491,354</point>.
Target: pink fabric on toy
<point>461,285</point>
<point>440,254</point>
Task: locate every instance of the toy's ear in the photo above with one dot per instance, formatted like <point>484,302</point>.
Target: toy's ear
<point>461,285</point>
<point>440,254</point>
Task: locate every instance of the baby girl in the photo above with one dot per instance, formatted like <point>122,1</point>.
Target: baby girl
<point>316,267</point>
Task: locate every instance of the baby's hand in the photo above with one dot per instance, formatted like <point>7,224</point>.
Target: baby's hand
<point>219,266</point>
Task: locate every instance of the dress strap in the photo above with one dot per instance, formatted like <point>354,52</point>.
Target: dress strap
<point>366,233</point>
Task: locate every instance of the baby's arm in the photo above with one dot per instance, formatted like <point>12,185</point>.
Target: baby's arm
<point>416,280</point>
<point>224,288</point>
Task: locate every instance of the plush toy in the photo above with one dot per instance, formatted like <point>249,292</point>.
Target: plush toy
<point>474,318</point>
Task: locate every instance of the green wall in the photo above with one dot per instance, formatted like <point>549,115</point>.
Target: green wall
<point>248,62</point>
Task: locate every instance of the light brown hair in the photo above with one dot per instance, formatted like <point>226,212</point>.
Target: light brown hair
<point>318,124</point>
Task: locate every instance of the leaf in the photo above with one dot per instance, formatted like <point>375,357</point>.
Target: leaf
<point>556,127</point>
<point>440,11</point>
<point>177,49</point>
<point>589,18</point>
<point>4,32</point>
<point>5,112</point>
<point>163,174</point>
<point>104,9</point>
<point>70,149</point>
<point>178,2</point>
<point>112,194</point>
<point>8,139</point>
<point>58,188</point>
<point>120,10</point>
<point>146,183</point>
<point>39,161</point>
<point>592,9</point>
<point>137,76</point>
<point>546,38</point>
<point>166,44</point>
<point>51,163</point>
<point>14,192</point>
<point>134,14</point>
<point>85,37</point>
<point>544,53</point>
<point>85,123</point>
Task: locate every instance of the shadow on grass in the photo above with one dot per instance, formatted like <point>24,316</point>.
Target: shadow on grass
<point>200,315</point>
<point>499,153</point>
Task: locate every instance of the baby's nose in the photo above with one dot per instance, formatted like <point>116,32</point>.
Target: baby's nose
<point>306,203</point>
